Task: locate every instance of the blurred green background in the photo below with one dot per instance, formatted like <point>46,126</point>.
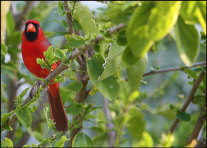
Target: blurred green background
<point>157,91</point>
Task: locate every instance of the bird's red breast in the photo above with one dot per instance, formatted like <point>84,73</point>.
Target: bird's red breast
<point>33,49</point>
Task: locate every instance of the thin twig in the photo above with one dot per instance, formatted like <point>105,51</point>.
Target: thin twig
<point>116,28</point>
<point>68,17</point>
<point>190,98</point>
<point>198,126</point>
<point>173,69</point>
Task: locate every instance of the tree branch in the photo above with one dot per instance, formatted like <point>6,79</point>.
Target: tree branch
<point>116,28</point>
<point>68,17</point>
<point>190,98</point>
<point>173,69</point>
<point>198,126</point>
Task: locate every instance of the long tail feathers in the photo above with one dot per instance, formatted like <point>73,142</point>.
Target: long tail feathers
<point>57,110</point>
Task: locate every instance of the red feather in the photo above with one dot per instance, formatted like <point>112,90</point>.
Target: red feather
<point>33,49</point>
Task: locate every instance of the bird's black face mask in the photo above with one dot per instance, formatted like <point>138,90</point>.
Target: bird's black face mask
<point>31,31</point>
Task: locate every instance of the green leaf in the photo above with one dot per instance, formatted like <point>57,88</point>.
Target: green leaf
<point>75,108</point>
<point>183,116</point>
<point>171,106</point>
<point>120,12</point>
<point>133,96</point>
<point>61,142</point>
<point>100,129</point>
<point>10,24</point>
<point>128,58</point>
<point>4,49</point>
<point>150,22</point>
<point>167,140</point>
<point>112,62</point>
<point>42,63</point>
<point>109,87</point>
<point>75,40</point>
<point>85,17</point>
<point>82,140</point>
<point>24,117</point>
<point>187,11</point>
<point>38,136</point>
<point>24,92</point>
<point>61,9</point>
<point>33,108</point>
<point>136,31</point>
<point>59,78</point>
<point>6,142</point>
<point>60,54</point>
<point>5,117</point>
<point>49,56</point>
<point>76,25</point>
<point>136,123</point>
<point>146,141</point>
<point>50,123</point>
<point>97,48</point>
<point>89,108</point>
<point>7,127</point>
<point>75,86</point>
<point>187,40</point>
<point>121,38</point>
<point>135,73</point>
<point>201,14</point>
<point>53,34</point>
<point>162,18</point>
<point>194,12</point>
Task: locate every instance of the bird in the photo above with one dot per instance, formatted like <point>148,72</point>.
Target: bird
<point>34,44</point>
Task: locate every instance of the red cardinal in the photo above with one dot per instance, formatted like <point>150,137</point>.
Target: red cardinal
<point>34,43</point>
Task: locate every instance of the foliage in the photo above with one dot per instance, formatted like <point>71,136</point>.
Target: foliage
<point>139,110</point>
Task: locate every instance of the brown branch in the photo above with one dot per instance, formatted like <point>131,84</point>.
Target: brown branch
<point>197,127</point>
<point>190,98</point>
<point>116,28</point>
<point>68,17</point>
<point>110,126</point>
<point>173,69</point>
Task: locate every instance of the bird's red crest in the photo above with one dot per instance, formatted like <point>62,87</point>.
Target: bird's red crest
<point>32,21</point>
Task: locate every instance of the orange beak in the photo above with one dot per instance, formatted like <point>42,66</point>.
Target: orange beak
<point>31,28</point>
